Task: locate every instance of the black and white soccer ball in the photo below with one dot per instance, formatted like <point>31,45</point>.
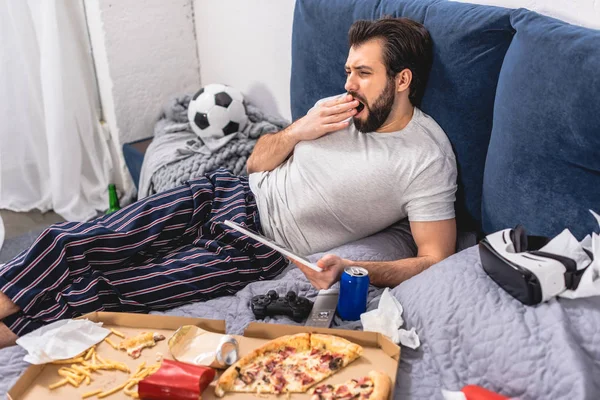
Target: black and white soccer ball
<point>217,111</point>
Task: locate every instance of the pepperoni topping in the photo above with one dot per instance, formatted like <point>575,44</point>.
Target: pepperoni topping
<point>286,352</point>
<point>279,382</point>
<point>270,366</point>
<point>342,390</point>
<point>324,389</point>
<point>363,380</point>
<point>325,358</point>
<point>304,378</point>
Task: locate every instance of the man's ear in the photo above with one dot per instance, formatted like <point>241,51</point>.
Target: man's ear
<point>403,80</point>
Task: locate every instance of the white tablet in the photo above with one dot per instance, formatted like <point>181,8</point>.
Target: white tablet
<point>268,242</point>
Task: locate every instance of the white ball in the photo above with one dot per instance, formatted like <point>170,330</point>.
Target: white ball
<point>217,111</point>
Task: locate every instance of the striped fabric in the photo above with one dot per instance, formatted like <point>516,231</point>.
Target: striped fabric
<point>163,251</point>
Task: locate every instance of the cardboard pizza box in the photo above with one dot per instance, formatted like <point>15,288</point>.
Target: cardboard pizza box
<point>379,353</point>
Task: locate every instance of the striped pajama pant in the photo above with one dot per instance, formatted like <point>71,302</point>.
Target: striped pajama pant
<point>160,252</point>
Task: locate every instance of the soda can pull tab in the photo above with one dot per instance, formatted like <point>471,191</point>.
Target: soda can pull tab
<point>227,351</point>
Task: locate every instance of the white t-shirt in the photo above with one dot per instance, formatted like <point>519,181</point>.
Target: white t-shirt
<point>348,185</point>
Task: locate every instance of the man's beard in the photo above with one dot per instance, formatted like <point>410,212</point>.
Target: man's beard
<point>379,112</point>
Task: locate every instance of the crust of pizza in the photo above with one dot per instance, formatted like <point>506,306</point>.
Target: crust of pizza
<point>382,385</point>
<point>136,344</point>
<point>350,351</point>
<point>299,342</point>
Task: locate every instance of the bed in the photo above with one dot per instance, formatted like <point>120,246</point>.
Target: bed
<point>471,331</point>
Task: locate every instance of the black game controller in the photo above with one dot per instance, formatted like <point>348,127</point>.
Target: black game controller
<point>271,304</point>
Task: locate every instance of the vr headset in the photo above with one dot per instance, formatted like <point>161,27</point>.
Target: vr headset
<point>513,260</point>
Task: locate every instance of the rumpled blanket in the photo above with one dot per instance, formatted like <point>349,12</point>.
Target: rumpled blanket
<point>176,154</point>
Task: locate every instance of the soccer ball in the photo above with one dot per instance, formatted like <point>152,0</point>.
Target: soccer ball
<point>217,111</point>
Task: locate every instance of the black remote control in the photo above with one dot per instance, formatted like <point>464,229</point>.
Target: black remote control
<point>292,305</point>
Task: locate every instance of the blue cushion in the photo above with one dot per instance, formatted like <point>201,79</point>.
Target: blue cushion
<point>543,166</point>
<point>134,157</point>
<point>469,44</point>
<point>320,43</point>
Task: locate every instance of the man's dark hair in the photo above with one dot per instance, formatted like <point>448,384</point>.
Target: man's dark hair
<point>406,44</point>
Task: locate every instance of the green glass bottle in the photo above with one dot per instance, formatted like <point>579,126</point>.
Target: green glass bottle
<point>113,199</point>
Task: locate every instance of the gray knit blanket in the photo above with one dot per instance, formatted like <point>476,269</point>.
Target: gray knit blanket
<point>176,154</point>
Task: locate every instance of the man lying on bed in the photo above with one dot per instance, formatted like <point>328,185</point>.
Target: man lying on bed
<point>354,165</point>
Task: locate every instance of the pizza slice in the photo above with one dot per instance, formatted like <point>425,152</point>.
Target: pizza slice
<point>134,345</point>
<point>375,386</point>
<point>288,364</point>
<point>330,353</point>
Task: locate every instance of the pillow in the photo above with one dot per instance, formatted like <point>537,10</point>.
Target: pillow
<point>393,243</point>
<point>469,44</point>
<point>543,163</point>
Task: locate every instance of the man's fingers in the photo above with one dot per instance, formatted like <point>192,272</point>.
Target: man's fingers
<point>339,109</point>
<point>339,100</point>
<point>334,118</point>
<point>305,270</point>
<point>327,260</point>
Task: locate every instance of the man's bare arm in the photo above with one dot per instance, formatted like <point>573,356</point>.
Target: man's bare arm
<point>273,149</point>
<point>435,241</point>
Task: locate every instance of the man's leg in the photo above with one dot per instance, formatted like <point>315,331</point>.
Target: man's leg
<point>192,257</point>
<point>7,337</point>
<point>7,307</point>
<point>70,254</point>
<point>220,261</point>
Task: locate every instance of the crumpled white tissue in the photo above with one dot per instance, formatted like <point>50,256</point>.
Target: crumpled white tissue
<point>61,340</point>
<point>589,285</point>
<point>565,244</point>
<point>387,319</point>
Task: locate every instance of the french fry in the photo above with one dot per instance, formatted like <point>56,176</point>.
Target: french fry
<point>102,360</point>
<point>68,361</point>
<point>140,367</point>
<point>72,381</point>
<point>89,353</point>
<point>112,344</point>
<point>121,367</point>
<point>91,393</point>
<point>81,370</point>
<point>131,392</point>
<point>67,374</point>
<point>112,391</point>
<point>116,332</point>
<point>88,362</point>
<point>58,384</point>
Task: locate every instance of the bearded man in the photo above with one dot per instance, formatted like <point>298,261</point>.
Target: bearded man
<point>354,165</point>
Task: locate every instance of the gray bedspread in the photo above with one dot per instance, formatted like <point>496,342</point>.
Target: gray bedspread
<point>471,331</point>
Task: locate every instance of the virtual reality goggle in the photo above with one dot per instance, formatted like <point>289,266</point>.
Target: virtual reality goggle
<point>513,260</point>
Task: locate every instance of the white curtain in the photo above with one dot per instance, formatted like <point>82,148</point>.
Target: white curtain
<point>53,154</point>
<point>1,233</point>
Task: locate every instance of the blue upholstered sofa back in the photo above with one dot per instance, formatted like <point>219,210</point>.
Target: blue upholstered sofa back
<point>516,93</point>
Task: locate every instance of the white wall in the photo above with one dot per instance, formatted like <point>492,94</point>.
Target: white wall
<point>247,44</point>
<point>578,12</point>
<point>144,53</point>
